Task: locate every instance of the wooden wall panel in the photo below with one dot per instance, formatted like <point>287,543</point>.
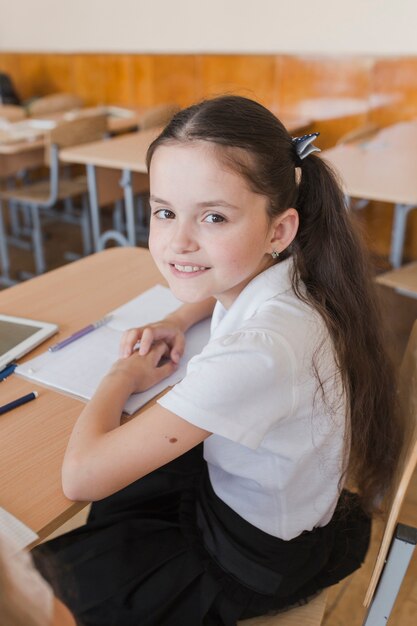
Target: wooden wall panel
<point>89,76</point>
<point>142,79</point>
<point>247,75</point>
<point>315,77</point>
<point>58,74</point>
<point>175,79</point>
<point>118,80</point>
<point>396,78</point>
<point>30,80</point>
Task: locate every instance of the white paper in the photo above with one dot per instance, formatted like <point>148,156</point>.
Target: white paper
<point>78,368</point>
<point>19,535</point>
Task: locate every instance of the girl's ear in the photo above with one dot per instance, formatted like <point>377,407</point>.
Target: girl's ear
<point>284,230</point>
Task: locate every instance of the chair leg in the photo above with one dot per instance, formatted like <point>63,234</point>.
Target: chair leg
<point>85,226</point>
<point>14,219</point>
<point>4,256</point>
<point>37,240</point>
<point>399,226</point>
<point>399,557</point>
<point>118,217</point>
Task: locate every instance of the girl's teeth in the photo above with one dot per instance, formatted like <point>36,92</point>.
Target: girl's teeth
<point>188,268</point>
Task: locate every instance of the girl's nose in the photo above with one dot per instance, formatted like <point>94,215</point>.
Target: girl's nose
<point>183,239</point>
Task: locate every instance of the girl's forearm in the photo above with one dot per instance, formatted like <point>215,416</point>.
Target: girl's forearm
<point>101,415</point>
<point>189,314</point>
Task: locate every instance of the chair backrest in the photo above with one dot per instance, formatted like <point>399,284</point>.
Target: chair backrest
<point>408,401</point>
<point>54,103</point>
<point>76,132</point>
<point>12,112</point>
<point>158,115</point>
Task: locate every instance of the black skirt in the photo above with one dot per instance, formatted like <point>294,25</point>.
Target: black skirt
<point>166,551</point>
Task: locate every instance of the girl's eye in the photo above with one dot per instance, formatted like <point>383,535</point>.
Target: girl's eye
<point>214,218</point>
<point>164,214</point>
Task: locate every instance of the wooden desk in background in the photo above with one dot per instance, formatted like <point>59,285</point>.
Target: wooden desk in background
<point>22,144</point>
<point>20,155</point>
<point>33,437</point>
<point>381,169</point>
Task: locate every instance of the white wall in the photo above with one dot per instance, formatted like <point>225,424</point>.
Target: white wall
<point>384,27</point>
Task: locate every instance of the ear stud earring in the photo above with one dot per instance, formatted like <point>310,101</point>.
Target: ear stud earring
<point>274,254</point>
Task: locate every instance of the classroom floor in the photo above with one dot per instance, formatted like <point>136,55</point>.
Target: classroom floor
<point>345,600</point>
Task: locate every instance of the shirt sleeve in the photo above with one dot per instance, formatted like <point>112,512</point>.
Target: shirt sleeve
<point>239,387</point>
<point>27,593</point>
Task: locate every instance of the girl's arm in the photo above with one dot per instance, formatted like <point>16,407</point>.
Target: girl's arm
<point>171,330</point>
<point>61,615</point>
<point>104,456</point>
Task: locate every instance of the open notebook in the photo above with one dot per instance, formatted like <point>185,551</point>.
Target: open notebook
<point>78,368</point>
<point>16,532</point>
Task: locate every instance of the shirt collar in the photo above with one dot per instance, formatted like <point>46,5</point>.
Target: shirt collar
<point>266,285</point>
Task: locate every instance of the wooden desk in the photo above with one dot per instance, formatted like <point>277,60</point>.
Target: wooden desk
<point>20,155</point>
<point>384,170</point>
<point>119,119</point>
<point>128,154</point>
<point>22,145</point>
<point>403,280</point>
<point>33,437</point>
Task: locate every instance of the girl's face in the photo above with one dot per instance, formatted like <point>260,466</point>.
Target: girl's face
<point>210,234</point>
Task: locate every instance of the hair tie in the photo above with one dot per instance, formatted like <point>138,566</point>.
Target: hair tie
<point>304,145</point>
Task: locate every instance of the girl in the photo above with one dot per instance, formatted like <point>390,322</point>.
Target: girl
<point>292,395</point>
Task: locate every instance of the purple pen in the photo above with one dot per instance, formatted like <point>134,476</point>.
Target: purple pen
<point>79,334</point>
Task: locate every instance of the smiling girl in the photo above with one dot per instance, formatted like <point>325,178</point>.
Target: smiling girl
<point>225,499</point>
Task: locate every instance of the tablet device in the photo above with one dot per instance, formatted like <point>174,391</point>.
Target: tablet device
<point>19,335</point>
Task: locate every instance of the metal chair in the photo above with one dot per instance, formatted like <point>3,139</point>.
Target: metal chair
<point>398,542</point>
<point>41,197</point>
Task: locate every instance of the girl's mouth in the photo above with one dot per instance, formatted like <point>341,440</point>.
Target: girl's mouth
<point>188,269</point>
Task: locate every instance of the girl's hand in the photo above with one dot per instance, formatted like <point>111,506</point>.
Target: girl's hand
<point>166,330</point>
<point>140,372</point>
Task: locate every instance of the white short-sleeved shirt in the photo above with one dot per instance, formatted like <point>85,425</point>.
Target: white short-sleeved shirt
<point>25,591</point>
<point>276,452</point>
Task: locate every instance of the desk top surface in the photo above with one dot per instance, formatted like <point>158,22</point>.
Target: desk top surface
<point>126,152</point>
<point>381,169</point>
<point>33,437</point>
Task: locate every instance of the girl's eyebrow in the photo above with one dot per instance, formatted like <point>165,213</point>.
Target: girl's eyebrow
<point>214,203</point>
<point>201,205</point>
<point>158,200</point>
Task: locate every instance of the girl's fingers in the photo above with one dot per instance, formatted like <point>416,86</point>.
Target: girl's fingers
<point>165,370</point>
<point>146,341</point>
<point>178,348</point>
<point>129,340</point>
<point>159,350</point>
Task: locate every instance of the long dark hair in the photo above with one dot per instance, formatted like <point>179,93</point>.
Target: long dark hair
<point>329,258</point>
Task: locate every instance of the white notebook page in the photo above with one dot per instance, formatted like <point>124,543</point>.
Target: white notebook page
<point>18,534</point>
<point>78,368</point>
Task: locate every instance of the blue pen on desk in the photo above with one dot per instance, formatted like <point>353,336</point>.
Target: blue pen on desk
<point>18,402</point>
<point>79,334</point>
<point>9,369</point>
